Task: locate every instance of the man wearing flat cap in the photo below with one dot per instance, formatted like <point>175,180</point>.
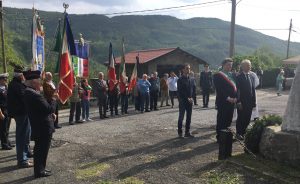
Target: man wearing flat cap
<point>41,114</point>
<point>4,119</point>
<point>16,110</point>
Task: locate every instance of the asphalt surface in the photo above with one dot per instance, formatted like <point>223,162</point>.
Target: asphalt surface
<point>144,146</point>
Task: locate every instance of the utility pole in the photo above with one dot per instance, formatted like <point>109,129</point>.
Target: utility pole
<point>2,37</point>
<point>232,29</point>
<point>288,46</point>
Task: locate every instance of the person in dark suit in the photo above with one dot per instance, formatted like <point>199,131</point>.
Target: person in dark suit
<point>41,114</point>
<point>205,84</point>
<point>226,97</point>
<point>16,110</point>
<point>154,90</point>
<point>246,98</point>
<point>185,98</point>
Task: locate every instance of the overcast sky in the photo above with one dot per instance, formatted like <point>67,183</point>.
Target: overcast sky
<point>255,14</point>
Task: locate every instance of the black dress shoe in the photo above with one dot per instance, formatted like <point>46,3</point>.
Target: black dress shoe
<point>25,165</point>
<point>42,174</point>
<point>105,116</point>
<point>6,147</point>
<point>11,145</point>
<point>180,135</point>
<point>57,126</point>
<point>147,111</point>
<point>188,135</point>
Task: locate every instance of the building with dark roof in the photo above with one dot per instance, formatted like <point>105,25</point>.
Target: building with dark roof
<point>162,60</point>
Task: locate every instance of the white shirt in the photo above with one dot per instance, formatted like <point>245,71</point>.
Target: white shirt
<point>172,82</point>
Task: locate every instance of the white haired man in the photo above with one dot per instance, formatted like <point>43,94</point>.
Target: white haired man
<point>246,100</point>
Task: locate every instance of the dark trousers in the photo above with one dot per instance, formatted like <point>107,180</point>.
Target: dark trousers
<point>153,100</point>
<point>172,96</point>
<point>124,103</point>
<point>224,116</point>
<point>102,103</point>
<point>205,95</point>
<point>113,104</point>
<point>137,102</point>
<point>75,108</point>
<point>144,102</point>
<point>56,113</point>
<point>4,130</point>
<point>41,149</point>
<point>243,120</point>
<point>195,95</point>
<point>184,106</point>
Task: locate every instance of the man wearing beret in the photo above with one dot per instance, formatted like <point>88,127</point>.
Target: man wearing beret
<point>16,110</point>
<point>4,119</point>
<point>41,114</point>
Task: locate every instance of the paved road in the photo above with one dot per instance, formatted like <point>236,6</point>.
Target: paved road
<point>136,145</point>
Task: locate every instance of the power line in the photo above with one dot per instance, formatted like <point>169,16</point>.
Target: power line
<point>189,8</point>
<point>159,9</point>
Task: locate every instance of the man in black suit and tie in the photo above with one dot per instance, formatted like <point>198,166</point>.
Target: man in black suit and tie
<point>246,98</point>
<point>224,82</point>
<point>41,114</point>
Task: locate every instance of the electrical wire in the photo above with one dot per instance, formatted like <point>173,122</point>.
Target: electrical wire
<point>159,9</point>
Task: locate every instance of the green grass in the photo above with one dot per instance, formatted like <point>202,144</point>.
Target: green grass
<point>268,167</point>
<point>129,180</point>
<point>224,177</point>
<point>91,170</point>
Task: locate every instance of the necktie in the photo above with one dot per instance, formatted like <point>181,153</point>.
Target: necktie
<point>249,83</point>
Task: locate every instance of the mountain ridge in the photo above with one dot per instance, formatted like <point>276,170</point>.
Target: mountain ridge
<point>207,38</point>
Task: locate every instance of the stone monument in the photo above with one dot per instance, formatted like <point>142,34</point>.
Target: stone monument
<point>283,143</point>
<point>291,119</point>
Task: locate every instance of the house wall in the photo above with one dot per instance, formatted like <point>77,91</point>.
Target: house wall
<point>173,59</point>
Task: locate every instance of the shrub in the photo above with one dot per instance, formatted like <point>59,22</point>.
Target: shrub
<point>253,135</point>
<point>269,77</point>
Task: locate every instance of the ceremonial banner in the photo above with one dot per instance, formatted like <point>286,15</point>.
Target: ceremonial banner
<point>111,69</point>
<point>66,74</point>
<point>134,76</point>
<point>37,42</point>
<point>122,70</point>
<point>81,61</point>
<point>80,67</point>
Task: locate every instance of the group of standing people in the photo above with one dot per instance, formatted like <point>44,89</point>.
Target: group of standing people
<point>35,114</point>
<point>232,90</point>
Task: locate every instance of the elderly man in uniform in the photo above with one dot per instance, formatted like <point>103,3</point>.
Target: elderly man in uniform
<point>41,112</point>
<point>16,110</point>
<point>49,90</point>
<point>4,119</point>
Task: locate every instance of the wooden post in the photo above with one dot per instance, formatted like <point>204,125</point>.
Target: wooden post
<point>2,38</point>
